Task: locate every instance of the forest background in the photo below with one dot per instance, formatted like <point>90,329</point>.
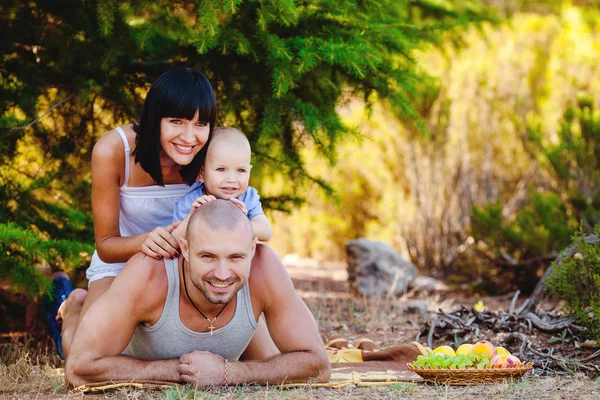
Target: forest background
<point>465,134</point>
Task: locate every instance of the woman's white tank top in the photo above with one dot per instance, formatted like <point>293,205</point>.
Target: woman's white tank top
<point>141,210</point>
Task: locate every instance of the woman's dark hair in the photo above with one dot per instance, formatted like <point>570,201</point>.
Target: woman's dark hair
<point>177,93</point>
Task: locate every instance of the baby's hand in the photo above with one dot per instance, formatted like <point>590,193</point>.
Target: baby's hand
<point>202,200</point>
<point>240,204</point>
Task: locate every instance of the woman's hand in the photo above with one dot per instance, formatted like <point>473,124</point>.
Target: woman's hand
<point>161,243</point>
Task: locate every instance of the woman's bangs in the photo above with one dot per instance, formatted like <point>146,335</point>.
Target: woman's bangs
<point>185,101</point>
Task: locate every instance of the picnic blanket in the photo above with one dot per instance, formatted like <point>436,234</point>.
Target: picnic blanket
<point>362,364</point>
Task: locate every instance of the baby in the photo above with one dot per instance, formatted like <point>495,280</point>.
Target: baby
<point>226,173</point>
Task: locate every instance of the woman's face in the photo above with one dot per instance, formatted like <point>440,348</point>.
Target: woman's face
<point>181,139</point>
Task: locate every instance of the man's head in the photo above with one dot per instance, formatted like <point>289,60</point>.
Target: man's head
<point>226,171</point>
<point>219,247</point>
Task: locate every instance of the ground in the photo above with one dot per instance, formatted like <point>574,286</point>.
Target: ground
<point>29,369</point>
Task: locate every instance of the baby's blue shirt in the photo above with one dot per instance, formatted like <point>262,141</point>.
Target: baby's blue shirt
<point>250,198</point>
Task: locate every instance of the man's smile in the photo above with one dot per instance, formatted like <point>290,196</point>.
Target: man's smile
<point>220,286</point>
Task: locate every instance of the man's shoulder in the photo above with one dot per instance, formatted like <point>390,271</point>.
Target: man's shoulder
<point>265,260</point>
<point>145,268</point>
<point>145,278</point>
<point>267,273</point>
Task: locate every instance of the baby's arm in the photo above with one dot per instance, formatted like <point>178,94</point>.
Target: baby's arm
<point>261,227</point>
<point>252,207</point>
<point>260,224</point>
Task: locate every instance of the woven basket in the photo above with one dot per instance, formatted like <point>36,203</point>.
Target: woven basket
<point>468,376</point>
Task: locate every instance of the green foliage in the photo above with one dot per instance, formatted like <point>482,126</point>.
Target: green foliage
<point>549,218</point>
<point>21,250</point>
<point>574,158</point>
<point>576,280</point>
<point>540,227</point>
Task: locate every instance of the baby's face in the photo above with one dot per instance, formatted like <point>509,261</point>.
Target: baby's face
<point>226,169</point>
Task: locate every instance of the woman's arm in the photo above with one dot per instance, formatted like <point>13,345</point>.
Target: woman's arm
<point>108,164</point>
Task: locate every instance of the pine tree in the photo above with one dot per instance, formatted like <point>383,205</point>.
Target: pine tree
<point>279,68</point>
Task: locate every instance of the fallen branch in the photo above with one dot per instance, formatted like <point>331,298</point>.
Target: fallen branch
<point>552,327</point>
<point>453,317</point>
<point>590,358</point>
<point>561,362</point>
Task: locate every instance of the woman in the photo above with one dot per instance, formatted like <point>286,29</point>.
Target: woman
<point>139,172</point>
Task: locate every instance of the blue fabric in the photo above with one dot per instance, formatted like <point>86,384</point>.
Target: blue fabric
<point>60,290</point>
<point>250,198</point>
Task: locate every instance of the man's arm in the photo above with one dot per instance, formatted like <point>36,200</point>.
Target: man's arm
<point>291,325</point>
<point>108,325</point>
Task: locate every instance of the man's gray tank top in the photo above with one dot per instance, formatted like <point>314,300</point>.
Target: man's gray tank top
<point>169,338</point>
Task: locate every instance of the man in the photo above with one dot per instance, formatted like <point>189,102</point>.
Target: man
<point>190,319</point>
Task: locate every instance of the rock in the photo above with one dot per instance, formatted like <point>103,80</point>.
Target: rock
<point>428,284</point>
<point>375,269</point>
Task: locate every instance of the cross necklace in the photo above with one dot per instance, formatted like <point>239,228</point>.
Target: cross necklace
<point>211,321</point>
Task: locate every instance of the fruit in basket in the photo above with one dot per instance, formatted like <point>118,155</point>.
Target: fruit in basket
<point>483,346</point>
<point>445,350</point>
<point>464,349</point>
<point>468,356</point>
<point>445,361</point>
<point>505,361</point>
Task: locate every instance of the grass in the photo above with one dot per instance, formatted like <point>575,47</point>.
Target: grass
<point>36,378</point>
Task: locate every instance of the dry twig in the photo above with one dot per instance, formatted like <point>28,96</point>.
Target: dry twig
<point>431,330</point>
<point>513,302</point>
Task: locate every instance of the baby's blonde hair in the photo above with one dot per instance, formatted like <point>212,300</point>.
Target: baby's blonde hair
<point>227,132</point>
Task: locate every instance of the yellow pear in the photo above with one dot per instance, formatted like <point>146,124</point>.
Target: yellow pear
<point>445,350</point>
<point>464,349</point>
<point>502,350</point>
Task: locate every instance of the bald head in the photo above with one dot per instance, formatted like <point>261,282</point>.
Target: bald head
<point>219,216</point>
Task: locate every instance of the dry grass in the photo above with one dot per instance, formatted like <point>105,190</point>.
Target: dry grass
<point>32,371</point>
<point>47,385</point>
